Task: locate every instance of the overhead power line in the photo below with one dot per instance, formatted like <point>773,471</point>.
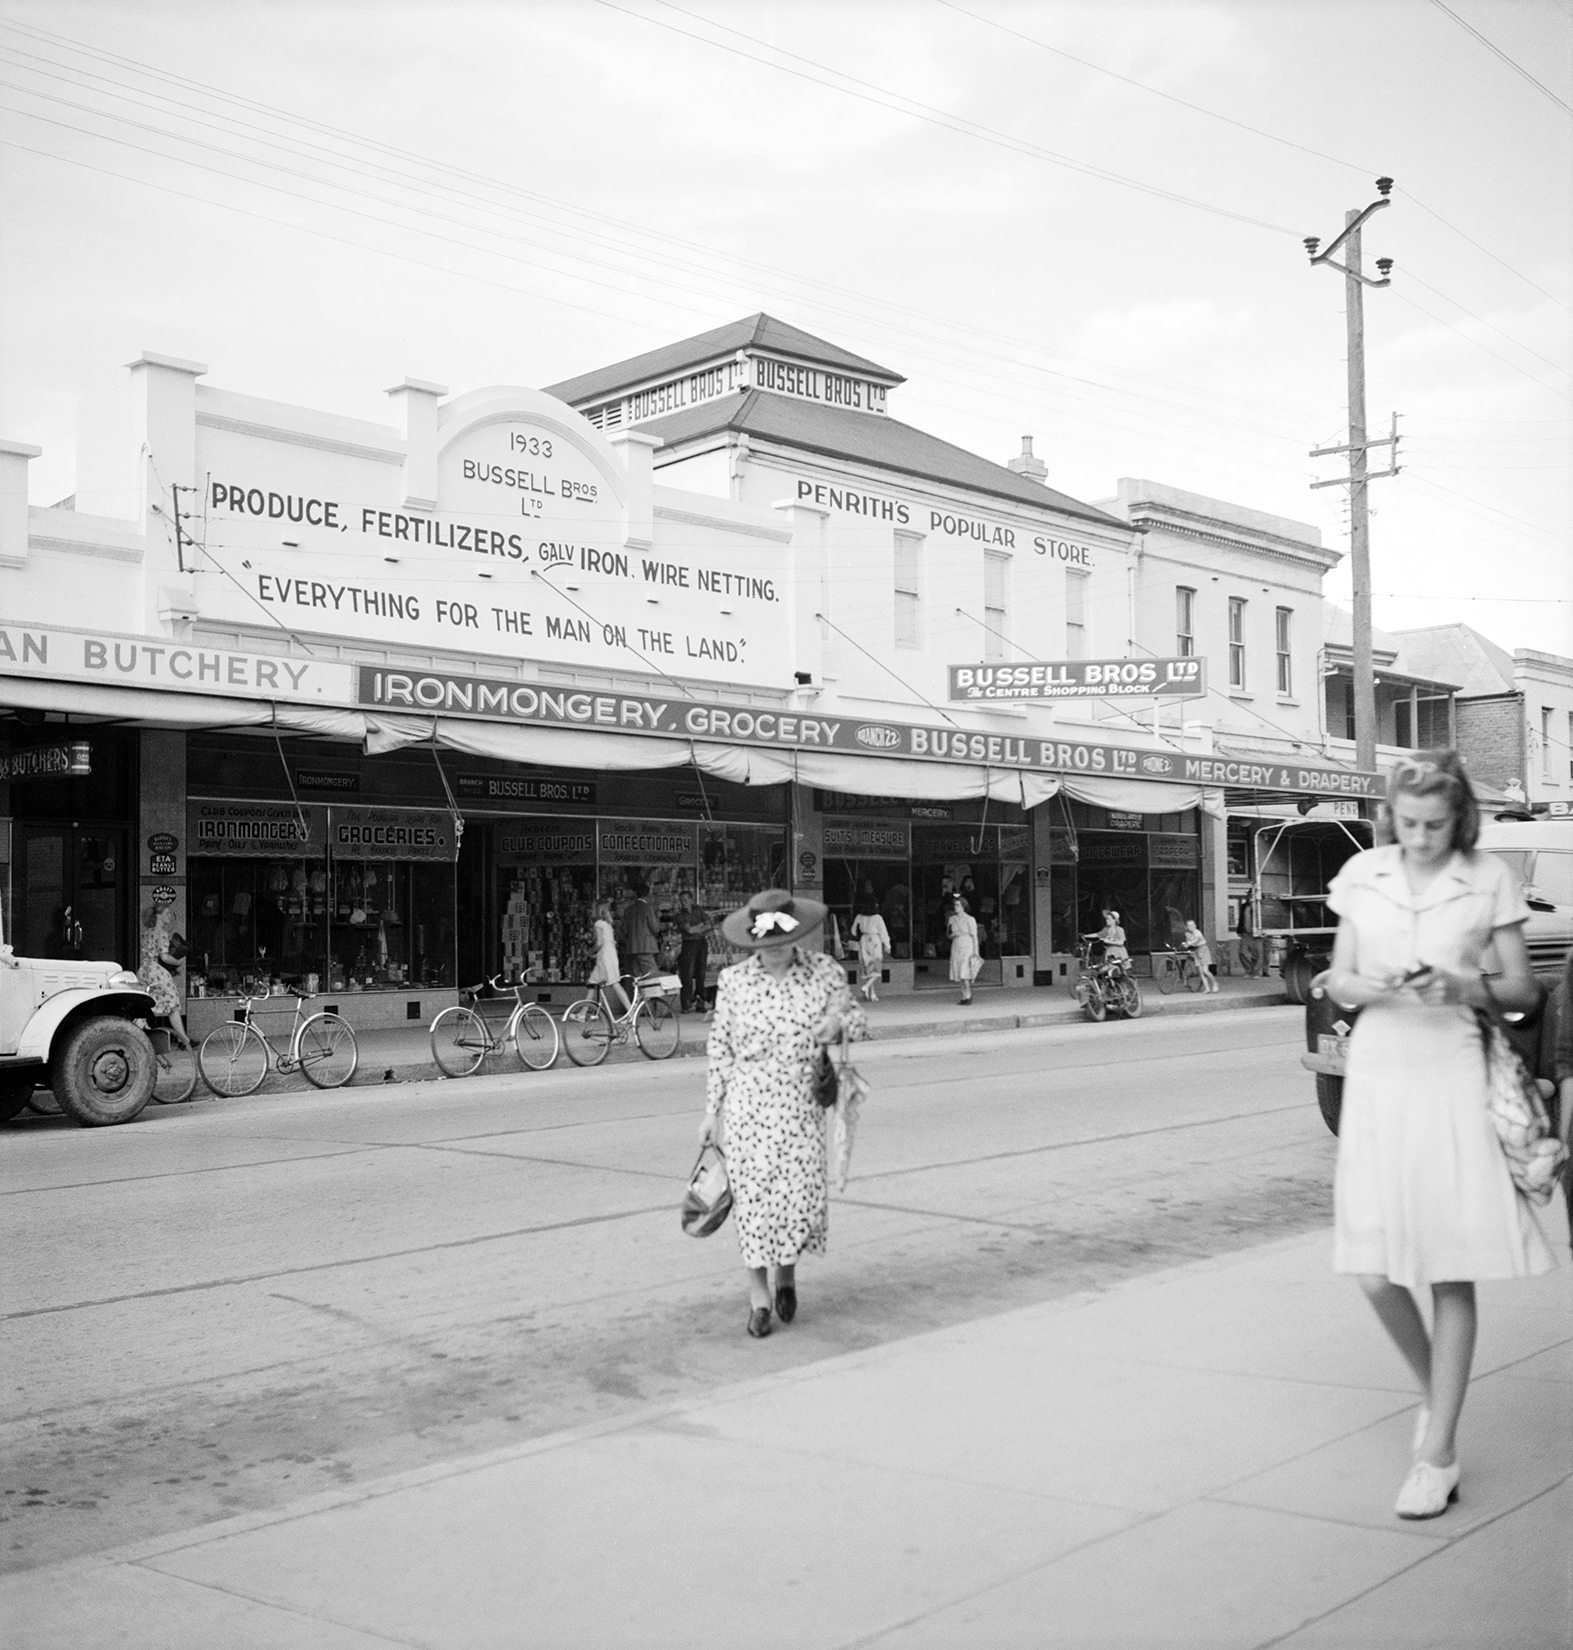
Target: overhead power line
<point>1502,57</point>
<point>928,113</point>
<point>1555,366</point>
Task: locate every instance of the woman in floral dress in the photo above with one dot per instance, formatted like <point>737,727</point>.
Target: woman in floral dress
<point>771,1013</point>
<point>153,969</point>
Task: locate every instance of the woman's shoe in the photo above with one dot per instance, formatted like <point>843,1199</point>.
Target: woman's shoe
<point>1427,1491</point>
<point>786,1302</point>
<point>759,1322</point>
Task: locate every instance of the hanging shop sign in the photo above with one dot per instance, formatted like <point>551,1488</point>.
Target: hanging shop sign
<point>861,839</point>
<point>545,843</point>
<point>335,782</point>
<point>438,693</point>
<point>526,555</point>
<point>1081,679</point>
<point>504,788</point>
<point>46,654</point>
<point>393,833</point>
<point>73,761</point>
<point>647,842</point>
<point>256,830</point>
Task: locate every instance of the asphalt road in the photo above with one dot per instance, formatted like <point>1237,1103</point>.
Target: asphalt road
<point>230,1305</point>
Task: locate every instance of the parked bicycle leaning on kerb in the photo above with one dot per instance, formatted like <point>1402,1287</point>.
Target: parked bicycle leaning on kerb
<point>590,1026</point>
<point>463,1036</point>
<point>235,1056</point>
<point>1104,985</point>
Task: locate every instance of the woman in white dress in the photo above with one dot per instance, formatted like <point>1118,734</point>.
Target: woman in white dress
<point>965,960</point>
<point>607,971</point>
<point>873,940</point>
<point>1429,931</point>
<point>771,1014</point>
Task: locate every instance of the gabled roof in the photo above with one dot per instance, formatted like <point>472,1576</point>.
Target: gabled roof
<point>1456,653</point>
<point>759,331</point>
<point>1338,631</point>
<point>836,432</point>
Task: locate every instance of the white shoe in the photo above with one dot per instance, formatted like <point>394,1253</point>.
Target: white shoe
<point>1422,1426</point>
<point>1427,1491</point>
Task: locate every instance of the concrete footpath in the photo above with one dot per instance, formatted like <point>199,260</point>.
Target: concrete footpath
<point>1206,1456</point>
<point>404,1054</point>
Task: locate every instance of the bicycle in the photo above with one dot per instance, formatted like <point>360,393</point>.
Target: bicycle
<point>175,1068</point>
<point>234,1057</point>
<point>462,1037</point>
<point>590,1027</point>
<point>1105,984</point>
<point>1177,969</point>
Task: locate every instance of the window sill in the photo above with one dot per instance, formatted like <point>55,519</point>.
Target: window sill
<point>1241,698</point>
<point>1290,704</point>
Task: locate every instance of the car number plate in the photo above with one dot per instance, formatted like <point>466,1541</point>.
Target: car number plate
<point>1333,1049</point>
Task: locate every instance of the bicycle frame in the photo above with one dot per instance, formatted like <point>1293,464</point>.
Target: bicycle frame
<point>285,1063</point>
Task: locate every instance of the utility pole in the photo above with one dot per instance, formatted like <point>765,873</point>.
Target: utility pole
<point>1364,685</point>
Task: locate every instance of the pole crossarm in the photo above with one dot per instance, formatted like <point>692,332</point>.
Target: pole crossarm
<point>1386,280</point>
<point>1349,229</point>
<point>1345,481</point>
<point>1365,446</point>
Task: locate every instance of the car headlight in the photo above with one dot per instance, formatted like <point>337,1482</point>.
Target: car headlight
<point>122,977</point>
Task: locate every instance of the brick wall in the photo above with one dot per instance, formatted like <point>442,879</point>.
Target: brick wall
<point>1491,739</point>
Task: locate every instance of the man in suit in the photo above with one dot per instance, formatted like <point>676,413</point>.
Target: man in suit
<point>641,933</point>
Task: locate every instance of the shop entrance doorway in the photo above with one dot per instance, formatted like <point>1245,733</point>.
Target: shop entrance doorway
<point>69,893</point>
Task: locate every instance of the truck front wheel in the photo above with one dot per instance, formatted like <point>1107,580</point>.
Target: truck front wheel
<point>103,1072</point>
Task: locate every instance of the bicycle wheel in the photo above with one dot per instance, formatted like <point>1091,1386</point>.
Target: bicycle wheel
<point>535,1038</point>
<point>459,1041</point>
<point>1193,974</point>
<point>1093,1003</point>
<point>1164,973</point>
<point>1128,997</point>
<point>657,1028</point>
<point>233,1059</point>
<point>587,1032</point>
<point>174,1070</point>
<point>327,1051</point>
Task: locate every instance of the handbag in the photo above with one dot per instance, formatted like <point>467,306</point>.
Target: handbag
<point>177,946</point>
<point>851,1091</point>
<point>708,1200</point>
<point>826,1082</point>
<point>1534,1154</point>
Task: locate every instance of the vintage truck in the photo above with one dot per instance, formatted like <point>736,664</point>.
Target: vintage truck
<point>70,1027</point>
<point>1540,855</point>
<point>1293,862</point>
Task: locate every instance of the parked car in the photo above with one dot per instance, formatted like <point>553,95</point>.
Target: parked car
<point>1540,855</point>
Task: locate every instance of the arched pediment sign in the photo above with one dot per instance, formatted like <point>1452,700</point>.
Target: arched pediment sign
<point>536,468</point>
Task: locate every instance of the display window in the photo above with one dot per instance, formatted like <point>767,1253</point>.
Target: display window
<point>546,888</point>
<point>986,865</point>
<point>392,898</point>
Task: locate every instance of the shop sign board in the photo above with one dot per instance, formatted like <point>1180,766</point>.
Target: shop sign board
<point>546,843</point>
<point>256,830</point>
<point>1176,853</point>
<point>1123,822</point>
<point>393,833</point>
<point>1111,851</point>
<point>436,692</point>
<point>648,842</point>
<point>72,761</point>
<point>1175,678</point>
<point>47,654</point>
<point>504,788</point>
<point>863,839</point>
<point>526,556</point>
<point>334,781</point>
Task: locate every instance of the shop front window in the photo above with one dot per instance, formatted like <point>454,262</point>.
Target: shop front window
<point>392,925</point>
<point>545,873</point>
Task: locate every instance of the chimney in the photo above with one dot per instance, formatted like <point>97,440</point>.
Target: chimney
<point>1034,469</point>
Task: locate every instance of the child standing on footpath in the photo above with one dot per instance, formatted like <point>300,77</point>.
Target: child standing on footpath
<point>1195,942</point>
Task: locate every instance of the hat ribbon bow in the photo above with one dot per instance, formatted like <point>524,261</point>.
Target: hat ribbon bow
<point>768,920</point>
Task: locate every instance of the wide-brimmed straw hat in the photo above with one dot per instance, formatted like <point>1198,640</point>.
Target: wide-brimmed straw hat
<point>771,917</point>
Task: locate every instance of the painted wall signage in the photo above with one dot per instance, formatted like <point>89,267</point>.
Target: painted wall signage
<point>175,667</point>
<point>330,780</point>
<point>1173,852</point>
<point>393,833</point>
<point>161,865</point>
<point>436,692</point>
<point>527,556</point>
<point>1081,679</point>
<point>648,842</point>
<point>69,761</point>
<point>546,844</point>
<point>864,840</point>
<point>495,787</point>
<point>256,830</point>
<point>163,842</point>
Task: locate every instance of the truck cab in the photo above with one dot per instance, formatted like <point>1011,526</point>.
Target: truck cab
<point>70,1027</point>
<point>1539,853</point>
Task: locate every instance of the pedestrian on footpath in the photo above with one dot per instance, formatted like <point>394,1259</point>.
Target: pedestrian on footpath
<point>1422,1194</point>
<point>965,960</point>
<point>772,1012</point>
<point>873,938</point>
<point>693,955</point>
<point>641,932</point>
<point>1195,941</point>
<point>607,971</point>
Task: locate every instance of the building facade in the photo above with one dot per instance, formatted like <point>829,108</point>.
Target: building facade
<point>384,709</point>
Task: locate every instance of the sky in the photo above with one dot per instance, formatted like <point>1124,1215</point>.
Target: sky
<point>1082,222</point>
